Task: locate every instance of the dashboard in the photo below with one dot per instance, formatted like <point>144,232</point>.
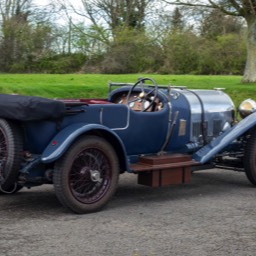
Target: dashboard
<point>137,102</point>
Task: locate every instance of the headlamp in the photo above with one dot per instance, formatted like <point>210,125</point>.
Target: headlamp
<point>247,107</point>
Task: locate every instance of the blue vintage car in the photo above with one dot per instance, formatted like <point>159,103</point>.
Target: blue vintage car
<point>160,133</point>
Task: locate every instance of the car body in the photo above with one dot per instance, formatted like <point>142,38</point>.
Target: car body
<point>160,133</point>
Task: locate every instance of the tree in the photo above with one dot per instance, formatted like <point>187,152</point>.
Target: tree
<point>25,37</point>
<point>240,8</point>
<point>177,23</point>
<point>216,23</point>
<point>111,13</point>
<point>14,21</point>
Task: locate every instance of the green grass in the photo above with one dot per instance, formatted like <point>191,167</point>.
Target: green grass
<point>95,85</point>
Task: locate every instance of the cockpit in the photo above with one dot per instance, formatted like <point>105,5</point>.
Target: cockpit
<point>138,96</point>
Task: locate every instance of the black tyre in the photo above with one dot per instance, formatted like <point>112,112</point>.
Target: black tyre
<point>86,177</point>
<point>250,158</point>
<point>11,146</point>
<point>11,190</point>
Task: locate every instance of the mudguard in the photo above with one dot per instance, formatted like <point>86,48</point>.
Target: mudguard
<point>206,153</point>
<point>61,142</point>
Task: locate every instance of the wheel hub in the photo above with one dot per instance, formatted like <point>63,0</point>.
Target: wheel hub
<point>95,176</point>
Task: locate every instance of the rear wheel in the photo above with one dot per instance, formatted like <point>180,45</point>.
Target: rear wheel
<point>11,147</point>
<point>86,177</point>
<point>11,190</point>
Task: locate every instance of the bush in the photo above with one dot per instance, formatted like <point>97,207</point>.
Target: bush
<point>60,64</point>
<point>131,52</point>
<point>181,54</point>
<point>225,55</point>
<point>187,53</point>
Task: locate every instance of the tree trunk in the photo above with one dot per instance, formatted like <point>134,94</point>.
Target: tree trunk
<point>250,68</point>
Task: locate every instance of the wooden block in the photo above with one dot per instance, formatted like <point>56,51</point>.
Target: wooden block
<point>160,178</point>
<point>151,179</point>
<point>171,177</point>
<point>186,174</point>
<point>165,159</point>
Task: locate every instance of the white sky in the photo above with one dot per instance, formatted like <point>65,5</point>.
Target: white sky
<point>64,18</point>
<point>77,3</point>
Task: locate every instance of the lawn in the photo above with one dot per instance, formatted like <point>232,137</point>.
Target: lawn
<point>95,85</point>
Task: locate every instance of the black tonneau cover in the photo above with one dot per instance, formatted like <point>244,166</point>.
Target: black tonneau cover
<point>28,108</point>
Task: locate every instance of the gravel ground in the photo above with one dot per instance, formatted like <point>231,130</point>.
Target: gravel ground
<point>213,215</point>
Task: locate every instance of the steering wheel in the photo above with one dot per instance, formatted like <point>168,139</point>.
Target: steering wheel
<point>144,97</point>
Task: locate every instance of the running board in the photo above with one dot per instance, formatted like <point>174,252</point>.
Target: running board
<point>163,170</point>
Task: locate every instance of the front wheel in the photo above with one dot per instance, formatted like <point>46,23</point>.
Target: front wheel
<point>250,158</point>
<point>86,177</point>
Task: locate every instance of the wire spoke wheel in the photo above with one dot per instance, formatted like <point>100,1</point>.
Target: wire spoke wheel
<point>11,146</point>
<point>3,153</point>
<point>90,176</point>
<point>86,177</point>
